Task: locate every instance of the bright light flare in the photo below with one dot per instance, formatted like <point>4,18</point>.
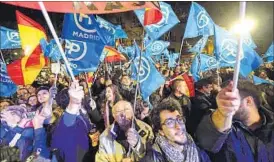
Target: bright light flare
<point>246,26</point>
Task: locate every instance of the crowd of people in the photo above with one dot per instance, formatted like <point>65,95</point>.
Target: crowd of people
<point>64,120</point>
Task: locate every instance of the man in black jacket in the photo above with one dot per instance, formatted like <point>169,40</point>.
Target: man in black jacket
<point>202,102</point>
<point>240,129</point>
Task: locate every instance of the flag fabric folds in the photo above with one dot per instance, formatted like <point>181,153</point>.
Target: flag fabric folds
<point>226,46</point>
<point>172,59</point>
<point>83,56</point>
<point>112,55</point>
<point>152,16</point>
<point>21,74</point>
<point>85,28</point>
<point>201,63</point>
<point>258,80</point>
<point>168,21</point>
<point>8,88</point>
<point>25,70</point>
<point>51,49</point>
<point>198,23</point>
<point>9,38</point>
<point>149,77</point>
<point>200,45</point>
<point>117,31</point>
<point>269,55</point>
<point>30,33</point>
<point>157,47</point>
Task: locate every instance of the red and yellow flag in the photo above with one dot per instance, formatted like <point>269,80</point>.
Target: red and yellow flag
<point>25,70</point>
<point>152,16</point>
<point>189,82</point>
<point>113,55</point>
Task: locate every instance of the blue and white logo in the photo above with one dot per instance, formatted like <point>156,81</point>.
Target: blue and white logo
<point>229,51</point>
<point>83,22</point>
<point>75,50</point>
<point>162,22</point>
<point>144,69</point>
<point>202,19</point>
<point>106,25</point>
<point>211,62</point>
<point>13,36</point>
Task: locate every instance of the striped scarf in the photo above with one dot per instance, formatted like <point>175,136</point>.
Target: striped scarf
<point>178,153</point>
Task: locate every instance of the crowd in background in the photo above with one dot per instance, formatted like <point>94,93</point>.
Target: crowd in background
<point>104,122</point>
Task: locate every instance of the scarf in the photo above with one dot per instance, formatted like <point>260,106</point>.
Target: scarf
<point>178,153</point>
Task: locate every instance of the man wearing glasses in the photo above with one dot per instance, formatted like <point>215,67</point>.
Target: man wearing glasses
<point>172,143</point>
<point>122,142</point>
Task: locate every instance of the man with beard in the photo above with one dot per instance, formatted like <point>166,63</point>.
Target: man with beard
<point>240,129</point>
<point>120,141</point>
<point>172,143</point>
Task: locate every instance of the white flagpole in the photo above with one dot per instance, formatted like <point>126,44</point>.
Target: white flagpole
<point>53,32</point>
<point>240,48</point>
<point>3,58</point>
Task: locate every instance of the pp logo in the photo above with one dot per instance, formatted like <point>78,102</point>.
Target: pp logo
<point>104,24</point>
<point>229,51</point>
<point>75,50</point>
<point>202,19</point>
<point>13,37</point>
<point>211,63</point>
<point>84,23</point>
<point>3,68</point>
<point>144,68</point>
<point>157,47</point>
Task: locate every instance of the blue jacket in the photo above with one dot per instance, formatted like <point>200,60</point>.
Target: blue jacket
<point>70,137</point>
<point>238,144</point>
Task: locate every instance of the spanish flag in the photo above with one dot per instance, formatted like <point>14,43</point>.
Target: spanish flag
<point>113,55</point>
<point>152,16</point>
<point>189,82</point>
<point>25,70</point>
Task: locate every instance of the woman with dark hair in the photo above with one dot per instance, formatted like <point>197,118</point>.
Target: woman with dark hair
<point>110,96</point>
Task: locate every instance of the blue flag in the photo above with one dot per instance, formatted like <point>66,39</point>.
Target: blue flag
<point>117,31</point>
<point>247,39</point>
<point>51,49</point>
<point>85,28</point>
<point>157,47</point>
<point>8,88</point>
<point>172,59</point>
<point>199,22</point>
<point>258,80</point>
<point>9,38</point>
<point>226,46</point>
<point>169,20</point>
<point>200,45</point>
<point>83,56</point>
<point>202,63</point>
<point>269,55</point>
<point>129,50</point>
<point>150,79</point>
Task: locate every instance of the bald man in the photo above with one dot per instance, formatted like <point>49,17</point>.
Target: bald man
<point>120,137</point>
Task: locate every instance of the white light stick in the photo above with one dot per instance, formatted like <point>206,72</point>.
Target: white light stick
<point>53,32</point>
<point>240,48</point>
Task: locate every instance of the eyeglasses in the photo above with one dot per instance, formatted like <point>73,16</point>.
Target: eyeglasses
<point>170,122</point>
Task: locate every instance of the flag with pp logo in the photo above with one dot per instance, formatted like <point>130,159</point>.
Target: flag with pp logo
<point>9,38</point>
<point>85,28</point>
<point>83,56</point>
<point>226,49</point>
<point>149,77</point>
<point>168,21</point>
<point>199,22</point>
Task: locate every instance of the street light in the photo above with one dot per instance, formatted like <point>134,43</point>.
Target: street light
<point>242,27</point>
